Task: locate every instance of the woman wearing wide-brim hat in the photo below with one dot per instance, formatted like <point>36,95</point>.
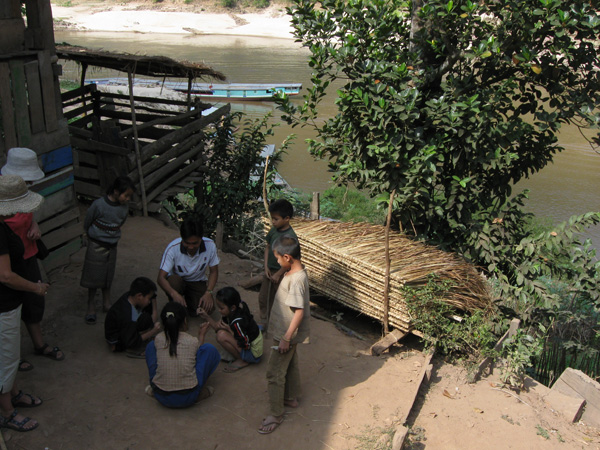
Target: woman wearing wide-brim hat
<point>24,163</point>
<point>14,198</point>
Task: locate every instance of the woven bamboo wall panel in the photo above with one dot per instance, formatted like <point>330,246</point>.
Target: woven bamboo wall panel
<point>346,261</point>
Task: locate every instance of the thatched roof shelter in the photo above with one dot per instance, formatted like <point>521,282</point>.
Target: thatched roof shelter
<point>153,66</point>
<point>346,261</point>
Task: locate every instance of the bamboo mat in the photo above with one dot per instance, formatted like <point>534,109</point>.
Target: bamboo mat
<point>346,262</point>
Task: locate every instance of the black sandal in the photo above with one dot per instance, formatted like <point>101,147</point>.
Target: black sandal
<point>52,354</point>
<point>25,366</point>
<point>12,424</point>
<point>17,398</point>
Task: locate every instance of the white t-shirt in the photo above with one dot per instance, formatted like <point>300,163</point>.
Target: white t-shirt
<point>176,260</point>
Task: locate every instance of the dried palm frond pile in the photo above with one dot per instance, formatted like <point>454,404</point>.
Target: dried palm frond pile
<point>346,261</point>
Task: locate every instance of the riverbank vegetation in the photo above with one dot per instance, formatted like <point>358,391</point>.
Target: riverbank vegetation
<point>448,104</point>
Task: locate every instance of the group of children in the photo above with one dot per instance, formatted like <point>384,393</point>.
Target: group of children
<point>179,364</point>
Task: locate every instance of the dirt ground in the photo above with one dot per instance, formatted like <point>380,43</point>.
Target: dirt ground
<point>95,399</point>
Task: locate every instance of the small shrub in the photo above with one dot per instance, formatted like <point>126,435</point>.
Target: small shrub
<point>229,3</point>
<point>261,4</point>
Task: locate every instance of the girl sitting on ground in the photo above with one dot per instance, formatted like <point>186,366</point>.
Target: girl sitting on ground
<point>238,332</point>
<point>178,363</point>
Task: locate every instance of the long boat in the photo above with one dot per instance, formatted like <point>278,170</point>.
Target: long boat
<point>234,91</point>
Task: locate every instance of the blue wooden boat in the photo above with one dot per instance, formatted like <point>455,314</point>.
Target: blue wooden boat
<point>233,91</point>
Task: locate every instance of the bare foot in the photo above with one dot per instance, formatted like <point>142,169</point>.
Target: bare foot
<point>291,402</point>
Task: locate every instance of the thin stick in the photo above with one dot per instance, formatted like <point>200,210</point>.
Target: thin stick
<point>514,395</point>
<point>136,143</point>
<point>228,410</point>
<point>265,202</point>
<point>386,284</point>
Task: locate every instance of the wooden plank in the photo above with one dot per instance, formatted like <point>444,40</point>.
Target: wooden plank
<point>87,172</point>
<point>59,220</point>
<point>91,190</point>
<point>386,342</point>
<point>76,93</point>
<point>196,165</point>
<point>55,203</point>
<point>177,136</point>
<point>9,10</point>
<point>172,166</point>
<point>575,383</point>
<point>97,146</point>
<point>62,184</point>
<point>415,391</point>
<point>8,113</point>
<point>46,142</point>
<point>12,34</point>
<point>199,106</point>
<point>57,159</point>
<point>34,89</point>
<point>81,123</point>
<point>251,282</point>
<point>170,120</point>
<point>399,437</point>
<point>483,365</point>
<point>85,158</point>
<point>62,235</point>
<point>164,158</point>
<point>48,95</point>
<point>61,256</point>
<point>79,111</point>
<point>40,185</point>
<point>19,96</point>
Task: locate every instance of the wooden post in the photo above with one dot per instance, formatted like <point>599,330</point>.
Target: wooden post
<point>315,207</point>
<point>219,235</point>
<point>136,143</point>
<point>386,286</point>
<point>189,94</point>
<point>265,199</point>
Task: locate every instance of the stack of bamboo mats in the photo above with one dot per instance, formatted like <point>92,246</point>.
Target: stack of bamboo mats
<point>346,262</point>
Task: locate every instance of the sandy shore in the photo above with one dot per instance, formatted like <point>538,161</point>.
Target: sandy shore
<point>272,22</point>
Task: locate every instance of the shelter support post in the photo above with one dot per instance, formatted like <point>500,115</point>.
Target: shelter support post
<point>386,287</point>
<point>315,207</point>
<point>137,143</point>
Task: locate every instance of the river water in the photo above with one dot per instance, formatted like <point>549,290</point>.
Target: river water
<point>564,188</point>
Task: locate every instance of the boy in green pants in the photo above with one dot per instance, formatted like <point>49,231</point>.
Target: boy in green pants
<point>289,326</point>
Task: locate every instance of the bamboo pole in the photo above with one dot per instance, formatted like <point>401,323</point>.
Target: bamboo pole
<point>136,142</point>
<point>386,284</point>
<point>265,200</point>
<point>189,94</point>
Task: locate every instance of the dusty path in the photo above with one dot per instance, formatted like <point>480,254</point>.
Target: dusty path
<point>95,399</point>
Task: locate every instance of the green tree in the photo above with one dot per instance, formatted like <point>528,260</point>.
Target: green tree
<point>450,103</point>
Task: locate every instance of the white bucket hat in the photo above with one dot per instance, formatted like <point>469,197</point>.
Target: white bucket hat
<point>23,162</point>
<point>15,197</point>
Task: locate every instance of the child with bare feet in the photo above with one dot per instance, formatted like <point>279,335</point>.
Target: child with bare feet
<point>289,326</point>
<point>179,364</point>
<point>237,332</point>
<point>103,222</point>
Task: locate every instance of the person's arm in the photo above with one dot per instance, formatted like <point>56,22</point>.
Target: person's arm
<point>277,276</point>
<point>284,343</point>
<point>211,322</point>
<point>16,282</point>
<point>266,258</point>
<point>34,232</point>
<point>154,310</point>
<point>206,301</point>
<point>166,286</point>
<point>151,333</point>
<point>111,329</point>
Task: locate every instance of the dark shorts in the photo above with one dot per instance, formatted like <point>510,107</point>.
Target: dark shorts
<point>99,266</point>
<point>33,304</point>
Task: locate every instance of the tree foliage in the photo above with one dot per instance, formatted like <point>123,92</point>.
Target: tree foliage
<point>450,103</point>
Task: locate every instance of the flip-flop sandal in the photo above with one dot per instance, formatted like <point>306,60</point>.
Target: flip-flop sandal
<point>16,400</point>
<point>12,424</point>
<point>268,428</point>
<point>90,319</point>
<point>230,368</point>
<point>135,354</point>
<point>205,392</point>
<point>25,366</point>
<point>52,354</point>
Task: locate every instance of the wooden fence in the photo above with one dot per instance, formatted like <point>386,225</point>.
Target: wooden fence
<point>171,143</point>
